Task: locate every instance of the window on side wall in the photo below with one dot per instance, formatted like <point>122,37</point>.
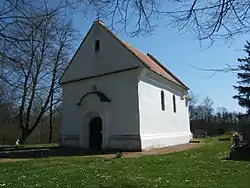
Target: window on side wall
<point>162,101</point>
<point>174,104</point>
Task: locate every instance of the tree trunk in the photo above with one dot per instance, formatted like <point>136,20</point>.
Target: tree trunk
<point>50,131</point>
<point>24,135</point>
<point>51,116</point>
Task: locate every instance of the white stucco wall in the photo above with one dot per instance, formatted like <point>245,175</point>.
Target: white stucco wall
<point>161,128</point>
<point>112,56</point>
<point>120,116</point>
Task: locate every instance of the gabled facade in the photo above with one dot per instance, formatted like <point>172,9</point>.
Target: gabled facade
<point>115,97</point>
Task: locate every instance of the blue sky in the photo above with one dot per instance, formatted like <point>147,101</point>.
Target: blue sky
<point>178,51</point>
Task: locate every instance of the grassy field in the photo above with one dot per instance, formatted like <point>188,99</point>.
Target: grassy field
<point>199,167</point>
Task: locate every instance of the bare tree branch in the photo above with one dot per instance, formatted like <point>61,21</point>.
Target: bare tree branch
<point>214,71</point>
<point>209,20</point>
<point>34,65</point>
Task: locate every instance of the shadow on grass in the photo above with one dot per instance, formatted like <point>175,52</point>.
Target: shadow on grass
<point>239,154</point>
<point>45,152</point>
<point>237,159</point>
<point>53,151</point>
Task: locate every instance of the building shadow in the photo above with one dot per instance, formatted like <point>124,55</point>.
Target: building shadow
<point>45,152</point>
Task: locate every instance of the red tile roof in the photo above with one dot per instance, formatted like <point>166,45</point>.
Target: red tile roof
<point>153,64</point>
<point>148,60</point>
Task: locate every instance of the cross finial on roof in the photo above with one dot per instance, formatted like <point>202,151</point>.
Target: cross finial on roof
<point>98,16</point>
<point>98,20</point>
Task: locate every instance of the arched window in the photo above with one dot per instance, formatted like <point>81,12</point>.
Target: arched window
<point>174,103</point>
<point>162,101</point>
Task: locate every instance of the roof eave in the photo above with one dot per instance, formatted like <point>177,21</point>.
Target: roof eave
<point>182,86</point>
<point>168,71</point>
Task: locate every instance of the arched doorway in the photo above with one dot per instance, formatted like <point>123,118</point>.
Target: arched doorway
<point>95,134</point>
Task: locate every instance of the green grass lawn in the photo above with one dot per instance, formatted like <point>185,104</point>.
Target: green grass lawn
<point>199,167</point>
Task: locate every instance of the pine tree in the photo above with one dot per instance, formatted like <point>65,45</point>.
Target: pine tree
<point>243,75</point>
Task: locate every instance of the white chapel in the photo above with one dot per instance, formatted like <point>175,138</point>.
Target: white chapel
<point>115,97</point>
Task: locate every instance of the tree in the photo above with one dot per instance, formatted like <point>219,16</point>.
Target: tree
<point>207,106</point>
<point>17,13</point>
<point>54,119</point>
<point>34,66</point>
<point>219,115</point>
<point>193,99</point>
<point>8,111</point>
<point>207,19</point>
<point>202,111</point>
<point>243,75</point>
<point>218,19</point>
<point>199,112</point>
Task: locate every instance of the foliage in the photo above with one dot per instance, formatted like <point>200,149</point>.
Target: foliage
<point>205,111</point>
<point>193,99</point>
<point>207,108</point>
<point>118,155</point>
<point>243,74</point>
<point>200,167</point>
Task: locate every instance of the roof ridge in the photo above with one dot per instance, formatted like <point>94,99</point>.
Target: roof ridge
<point>99,21</point>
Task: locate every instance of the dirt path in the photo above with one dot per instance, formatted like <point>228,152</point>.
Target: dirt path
<point>11,160</point>
<point>166,150</point>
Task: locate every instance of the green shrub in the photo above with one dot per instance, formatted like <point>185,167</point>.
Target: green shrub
<point>229,133</point>
<point>118,155</point>
<point>221,131</point>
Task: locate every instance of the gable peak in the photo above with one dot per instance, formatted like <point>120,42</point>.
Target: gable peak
<point>99,22</point>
